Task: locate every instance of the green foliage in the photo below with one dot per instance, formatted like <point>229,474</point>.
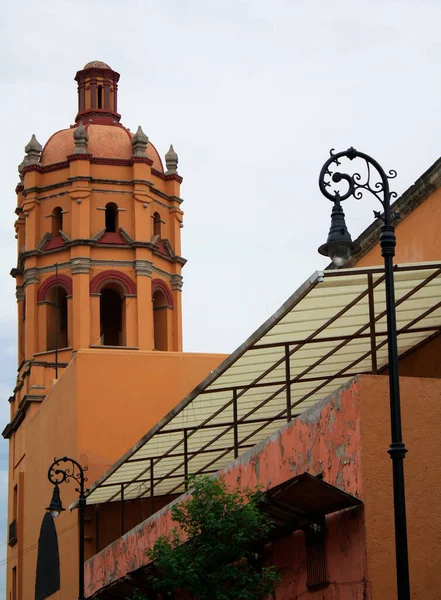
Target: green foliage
<point>217,562</point>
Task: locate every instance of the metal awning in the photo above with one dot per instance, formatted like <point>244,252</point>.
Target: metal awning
<point>301,500</point>
<point>332,328</point>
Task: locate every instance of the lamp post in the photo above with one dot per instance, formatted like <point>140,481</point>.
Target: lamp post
<point>56,475</point>
<point>339,248</point>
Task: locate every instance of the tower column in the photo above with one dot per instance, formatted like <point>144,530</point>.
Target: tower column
<point>143,270</point>
<point>176,285</point>
<point>19,294</point>
<point>31,280</point>
<point>80,268</point>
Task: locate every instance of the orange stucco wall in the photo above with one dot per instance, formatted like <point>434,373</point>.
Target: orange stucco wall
<point>417,237</point>
<point>104,401</point>
<point>421,416</point>
<point>344,438</point>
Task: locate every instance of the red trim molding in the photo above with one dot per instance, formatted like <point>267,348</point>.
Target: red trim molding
<point>159,284</point>
<point>112,276</point>
<point>64,281</point>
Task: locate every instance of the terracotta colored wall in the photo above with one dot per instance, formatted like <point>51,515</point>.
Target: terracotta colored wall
<point>52,431</point>
<point>101,405</point>
<point>122,393</point>
<point>417,238</point>
<point>421,416</point>
<point>345,438</point>
<point>324,440</point>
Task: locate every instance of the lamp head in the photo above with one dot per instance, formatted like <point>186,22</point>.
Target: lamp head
<point>56,506</point>
<point>339,245</point>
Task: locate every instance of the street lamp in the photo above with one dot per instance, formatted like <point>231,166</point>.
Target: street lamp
<point>339,247</point>
<point>57,475</point>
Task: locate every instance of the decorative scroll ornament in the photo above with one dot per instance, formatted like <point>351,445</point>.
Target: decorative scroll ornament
<point>75,471</point>
<point>374,180</point>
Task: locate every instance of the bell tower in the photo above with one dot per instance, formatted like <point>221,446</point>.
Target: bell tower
<point>98,286</point>
<point>99,243</point>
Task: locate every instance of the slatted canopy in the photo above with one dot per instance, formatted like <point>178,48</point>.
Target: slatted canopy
<point>332,328</point>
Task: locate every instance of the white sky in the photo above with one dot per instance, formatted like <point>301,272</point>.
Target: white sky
<point>252,94</point>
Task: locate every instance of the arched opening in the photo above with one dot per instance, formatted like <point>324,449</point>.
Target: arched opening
<point>100,96</point>
<point>56,318</point>
<point>157,225</point>
<point>111,317</point>
<point>160,329</point>
<point>111,217</point>
<point>57,221</point>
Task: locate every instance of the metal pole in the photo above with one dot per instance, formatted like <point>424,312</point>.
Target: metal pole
<point>397,449</point>
<point>81,508</point>
<point>57,475</point>
<point>288,383</point>
<point>355,186</point>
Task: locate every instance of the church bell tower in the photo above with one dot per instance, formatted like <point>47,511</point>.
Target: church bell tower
<point>98,229</point>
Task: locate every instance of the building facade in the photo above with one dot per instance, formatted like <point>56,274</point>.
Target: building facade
<point>320,365</point>
<point>301,405</point>
<point>99,288</point>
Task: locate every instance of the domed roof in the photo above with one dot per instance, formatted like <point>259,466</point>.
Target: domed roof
<point>105,141</point>
<point>96,64</point>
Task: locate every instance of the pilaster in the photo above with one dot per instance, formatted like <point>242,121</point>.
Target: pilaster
<point>176,317</point>
<point>143,270</point>
<point>31,281</point>
<point>80,268</point>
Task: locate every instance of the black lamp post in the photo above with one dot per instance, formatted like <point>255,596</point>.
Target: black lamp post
<point>57,475</point>
<point>339,248</point>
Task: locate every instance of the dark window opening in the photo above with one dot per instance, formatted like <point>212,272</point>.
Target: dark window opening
<point>157,225</point>
<point>56,319</point>
<point>111,217</point>
<point>160,329</point>
<point>57,221</point>
<point>14,583</point>
<point>111,318</point>
<point>100,96</point>
<point>315,534</point>
<point>15,503</point>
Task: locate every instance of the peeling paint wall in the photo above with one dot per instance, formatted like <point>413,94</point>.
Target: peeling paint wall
<point>345,439</point>
<point>324,441</point>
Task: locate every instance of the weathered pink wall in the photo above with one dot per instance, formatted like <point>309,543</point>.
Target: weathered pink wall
<point>324,440</point>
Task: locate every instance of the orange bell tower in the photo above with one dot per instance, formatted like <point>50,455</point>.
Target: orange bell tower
<point>99,228</point>
<point>98,287</point>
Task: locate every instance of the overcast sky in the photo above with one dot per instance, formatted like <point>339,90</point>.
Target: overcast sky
<point>252,94</point>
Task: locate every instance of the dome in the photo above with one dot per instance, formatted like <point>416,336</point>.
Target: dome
<point>105,141</point>
<point>96,64</point>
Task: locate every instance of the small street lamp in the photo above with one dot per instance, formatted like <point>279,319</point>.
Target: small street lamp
<point>57,475</point>
<point>339,247</point>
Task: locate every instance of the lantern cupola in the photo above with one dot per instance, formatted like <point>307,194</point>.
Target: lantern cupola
<point>97,93</point>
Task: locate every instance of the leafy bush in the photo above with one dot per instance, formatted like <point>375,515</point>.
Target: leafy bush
<point>222,528</point>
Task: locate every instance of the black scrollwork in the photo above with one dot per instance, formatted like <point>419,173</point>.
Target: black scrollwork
<point>74,470</point>
<point>376,182</point>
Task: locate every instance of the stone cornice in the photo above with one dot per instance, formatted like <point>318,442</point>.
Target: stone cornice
<point>80,266</point>
<point>143,268</point>
<point>177,282</point>
<point>19,293</point>
<point>31,275</point>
